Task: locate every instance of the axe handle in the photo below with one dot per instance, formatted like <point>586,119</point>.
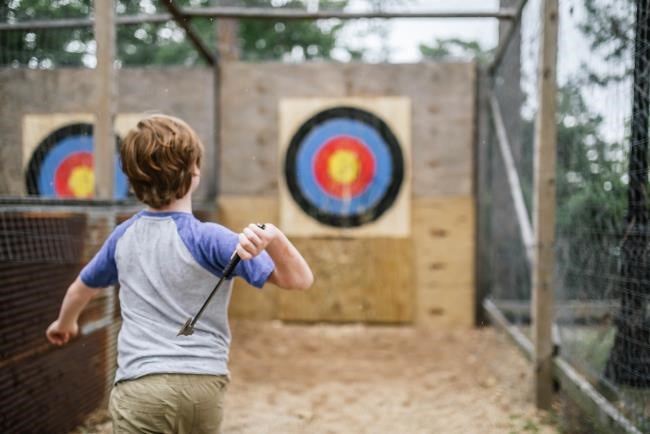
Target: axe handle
<point>227,272</point>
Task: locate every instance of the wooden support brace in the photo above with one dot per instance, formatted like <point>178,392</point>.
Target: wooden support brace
<point>521,213</point>
<point>184,22</point>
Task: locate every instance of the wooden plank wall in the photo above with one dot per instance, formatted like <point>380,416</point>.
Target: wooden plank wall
<point>426,277</point>
<point>443,115</point>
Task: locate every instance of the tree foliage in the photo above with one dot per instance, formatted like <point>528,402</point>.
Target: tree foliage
<point>154,43</point>
<point>609,28</point>
<point>455,49</point>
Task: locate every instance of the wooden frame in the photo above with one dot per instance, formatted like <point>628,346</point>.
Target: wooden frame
<point>106,98</point>
<point>543,299</point>
<point>606,417</point>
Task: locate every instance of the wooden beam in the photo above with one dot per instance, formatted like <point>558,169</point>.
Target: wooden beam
<point>185,23</point>
<point>69,23</point>
<point>106,99</point>
<point>544,208</point>
<point>504,42</point>
<point>605,417</point>
<point>228,39</point>
<point>525,228</point>
<point>255,13</point>
<point>570,312</point>
<point>498,320</point>
<point>302,14</point>
<point>214,178</point>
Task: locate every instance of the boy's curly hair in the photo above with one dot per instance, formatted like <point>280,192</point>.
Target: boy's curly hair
<point>159,157</point>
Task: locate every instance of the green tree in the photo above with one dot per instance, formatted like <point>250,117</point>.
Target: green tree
<point>610,32</point>
<point>456,49</point>
<point>591,195</point>
<point>273,40</point>
<point>153,43</point>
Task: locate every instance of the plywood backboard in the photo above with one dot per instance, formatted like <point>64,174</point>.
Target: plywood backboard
<point>396,113</point>
<point>36,127</point>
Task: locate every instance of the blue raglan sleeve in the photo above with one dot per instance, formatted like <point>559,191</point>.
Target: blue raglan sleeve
<point>217,245</point>
<point>101,271</point>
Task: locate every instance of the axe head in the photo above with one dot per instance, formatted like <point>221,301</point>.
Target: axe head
<point>187,329</point>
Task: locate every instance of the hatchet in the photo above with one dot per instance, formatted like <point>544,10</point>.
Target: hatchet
<point>188,328</point>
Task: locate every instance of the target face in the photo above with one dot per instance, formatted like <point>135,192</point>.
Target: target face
<point>62,165</point>
<point>344,167</point>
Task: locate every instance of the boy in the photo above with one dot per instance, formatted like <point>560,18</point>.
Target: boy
<point>166,262</point>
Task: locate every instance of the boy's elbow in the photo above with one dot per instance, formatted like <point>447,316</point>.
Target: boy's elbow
<point>306,282</point>
<point>294,281</point>
<point>300,283</point>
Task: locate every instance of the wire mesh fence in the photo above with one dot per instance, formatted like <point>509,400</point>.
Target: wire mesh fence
<point>41,252</point>
<point>602,284</point>
<point>512,94</point>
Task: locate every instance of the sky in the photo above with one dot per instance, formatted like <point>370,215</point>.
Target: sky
<point>405,35</point>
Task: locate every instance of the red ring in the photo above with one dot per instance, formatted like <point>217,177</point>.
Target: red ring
<point>366,172</point>
<point>63,172</point>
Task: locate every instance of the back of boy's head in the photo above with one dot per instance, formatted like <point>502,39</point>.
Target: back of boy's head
<point>159,157</point>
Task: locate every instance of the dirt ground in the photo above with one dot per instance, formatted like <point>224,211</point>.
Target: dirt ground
<point>373,379</point>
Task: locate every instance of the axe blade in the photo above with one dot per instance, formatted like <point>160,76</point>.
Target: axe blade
<point>187,329</point>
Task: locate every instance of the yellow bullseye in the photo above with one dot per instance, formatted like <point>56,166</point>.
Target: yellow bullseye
<point>344,166</point>
<point>82,181</point>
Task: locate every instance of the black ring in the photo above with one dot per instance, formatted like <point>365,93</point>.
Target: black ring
<point>43,148</point>
<point>387,200</point>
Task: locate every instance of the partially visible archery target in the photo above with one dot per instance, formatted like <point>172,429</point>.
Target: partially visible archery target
<point>345,166</point>
<point>62,165</point>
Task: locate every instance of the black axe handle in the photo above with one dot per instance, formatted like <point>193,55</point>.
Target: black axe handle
<point>188,328</point>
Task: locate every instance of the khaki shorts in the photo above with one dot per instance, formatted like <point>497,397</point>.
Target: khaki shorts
<point>169,403</point>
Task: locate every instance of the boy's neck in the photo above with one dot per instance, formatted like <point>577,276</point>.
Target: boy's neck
<point>184,204</point>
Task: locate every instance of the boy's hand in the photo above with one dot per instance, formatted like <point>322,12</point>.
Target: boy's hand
<point>60,334</point>
<point>253,240</point>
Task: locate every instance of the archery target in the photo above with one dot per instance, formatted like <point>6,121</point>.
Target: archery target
<point>62,165</point>
<point>58,155</point>
<point>345,168</point>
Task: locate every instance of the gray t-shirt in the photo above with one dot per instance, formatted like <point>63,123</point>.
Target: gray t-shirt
<point>166,264</point>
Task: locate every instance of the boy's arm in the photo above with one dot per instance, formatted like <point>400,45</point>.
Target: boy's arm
<point>291,270</point>
<point>74,302</point>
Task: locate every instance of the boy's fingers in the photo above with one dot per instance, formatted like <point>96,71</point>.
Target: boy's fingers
<point>253,238</point>
<point>246,243</point>
<point>242,252</point>
<point>267,234</point>
<point>57,338</point>
<point>261,233</point>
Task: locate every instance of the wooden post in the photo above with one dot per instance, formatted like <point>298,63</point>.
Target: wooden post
<point>544,208</point>
<point>106,97</point>
<point>228,39</point>
<point>215,179</point>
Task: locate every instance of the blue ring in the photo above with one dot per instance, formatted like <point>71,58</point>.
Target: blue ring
<point>67,147</point>
<point>305,161</point>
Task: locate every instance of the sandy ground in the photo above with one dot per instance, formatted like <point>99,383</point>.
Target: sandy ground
<point>374,379</point>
